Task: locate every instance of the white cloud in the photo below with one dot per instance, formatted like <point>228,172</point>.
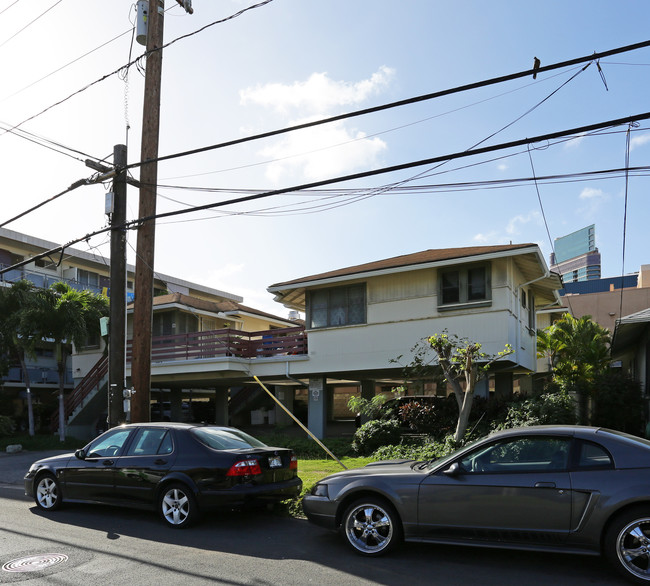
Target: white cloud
<point>486,238</point>
<point>574,142</point>
<point>514,224</point>
<point>639,140</point>
<point>310,151</point>
<point>319,94</point>
<point>591,193</point>
<point>322,151</point>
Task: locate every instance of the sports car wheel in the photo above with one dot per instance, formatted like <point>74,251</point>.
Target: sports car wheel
<point>371,527</point>
<point>627,545</point>
<point>47,494</point>
<point>177,506</point>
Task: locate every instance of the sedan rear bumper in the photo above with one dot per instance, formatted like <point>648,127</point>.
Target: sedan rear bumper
<point>246,493</point>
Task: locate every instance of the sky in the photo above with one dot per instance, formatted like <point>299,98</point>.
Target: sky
<point>287,62</point>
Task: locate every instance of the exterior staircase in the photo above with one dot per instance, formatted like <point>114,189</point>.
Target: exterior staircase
<point>85,404</point>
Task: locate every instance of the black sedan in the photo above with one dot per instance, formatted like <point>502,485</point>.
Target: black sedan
<point>561,488</point>
<point>179,469</point>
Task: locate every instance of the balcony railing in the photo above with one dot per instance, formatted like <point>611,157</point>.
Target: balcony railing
<point>227,342</point>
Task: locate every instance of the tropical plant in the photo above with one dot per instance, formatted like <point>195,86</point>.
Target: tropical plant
<point>578,352</point>
<point>375,433</point>
<point>463,364</point>
<point>67,316</point>
<point>17,333</point>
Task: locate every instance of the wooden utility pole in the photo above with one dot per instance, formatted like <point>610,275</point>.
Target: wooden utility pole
<point>117,323</point>
<point>143,303</point>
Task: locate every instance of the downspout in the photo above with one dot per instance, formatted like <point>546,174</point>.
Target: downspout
<point>295,380</point>
<point>518,332</point>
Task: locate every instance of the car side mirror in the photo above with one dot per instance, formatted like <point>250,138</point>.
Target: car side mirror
<point>81,454</point>
<point>454,470</point>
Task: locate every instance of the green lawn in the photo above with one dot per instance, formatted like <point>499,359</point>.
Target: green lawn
<point>311,471</point>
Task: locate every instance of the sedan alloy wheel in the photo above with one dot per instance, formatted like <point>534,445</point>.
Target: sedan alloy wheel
<point>47,494</point>
<point>177,506</point>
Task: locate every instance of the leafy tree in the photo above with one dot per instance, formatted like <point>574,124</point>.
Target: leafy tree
<point>66,316</point>
<point>463,365</point>
<point>17,332</point>
<point>578,352</point>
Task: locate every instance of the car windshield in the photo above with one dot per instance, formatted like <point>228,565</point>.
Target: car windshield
<point>225,439</point>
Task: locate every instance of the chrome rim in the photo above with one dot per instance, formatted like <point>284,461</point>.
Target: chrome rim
<point>47,493</point>
<point>633,548</point>
<point>175,506</point>
<point>369,528</point>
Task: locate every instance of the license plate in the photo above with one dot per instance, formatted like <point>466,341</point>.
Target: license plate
<point>275,462</point>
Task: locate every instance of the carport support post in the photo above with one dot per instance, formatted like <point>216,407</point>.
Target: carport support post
<point>367,392</point>
<point>221,405</point>
<point>317,406</point>
<point>503,385</point>
<point>284,394</point>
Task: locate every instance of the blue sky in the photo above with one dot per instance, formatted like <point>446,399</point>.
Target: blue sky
<point>291,61</point>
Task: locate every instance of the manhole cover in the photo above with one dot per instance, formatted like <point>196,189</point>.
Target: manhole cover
<point>33,563</point>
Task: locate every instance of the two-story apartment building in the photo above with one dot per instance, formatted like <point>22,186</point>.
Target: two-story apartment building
<point>360,318</point>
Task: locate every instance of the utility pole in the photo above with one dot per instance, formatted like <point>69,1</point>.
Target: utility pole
<point>117,323</point>
<point>143,302</point>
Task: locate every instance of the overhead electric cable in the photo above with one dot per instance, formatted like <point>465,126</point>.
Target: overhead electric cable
<point>137,222</point>
<point>29,24</point>
<point>10,5</point>
<point>627,181</point>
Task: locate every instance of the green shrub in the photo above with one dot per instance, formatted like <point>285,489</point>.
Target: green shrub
<point>618,403</point>
<point>376,433</point>
<point>6,426</point>
<point>554,406</point>
<point>416,449</point>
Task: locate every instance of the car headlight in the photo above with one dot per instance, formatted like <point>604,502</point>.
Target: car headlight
<point>319,490</point>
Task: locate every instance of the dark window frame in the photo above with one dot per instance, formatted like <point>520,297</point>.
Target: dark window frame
<point>334,307</point>
<point>462,295</point>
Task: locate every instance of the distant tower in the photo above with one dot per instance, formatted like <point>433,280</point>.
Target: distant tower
<point>576,257</point>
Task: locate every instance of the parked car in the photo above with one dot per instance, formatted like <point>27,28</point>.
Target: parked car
<point>177,468</point>
<point>556,488</point>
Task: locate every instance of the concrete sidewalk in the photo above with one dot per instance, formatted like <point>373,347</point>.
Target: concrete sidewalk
<point>13,467</point>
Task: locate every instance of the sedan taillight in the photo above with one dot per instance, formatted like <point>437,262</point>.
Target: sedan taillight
<point>293,464</point>
<point>245,468</point>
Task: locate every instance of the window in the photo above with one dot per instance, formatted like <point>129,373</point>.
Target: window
<point>149,442</point>
<point>531,313</point>
<point>593,456</point>
<point>110,444</point>
<point>338,306</point>
<point>527,454</point>
<point>464,285</point>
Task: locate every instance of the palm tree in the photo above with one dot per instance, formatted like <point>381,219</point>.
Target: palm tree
<point>68,316</point>
<point>578,350</point>
<point>17,332</point>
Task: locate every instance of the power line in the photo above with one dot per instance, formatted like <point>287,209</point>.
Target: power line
<point>135,62</point>
<point>399,103</point>
<point>10,5</point>
<point>29,24</point>
<point>135,223</point>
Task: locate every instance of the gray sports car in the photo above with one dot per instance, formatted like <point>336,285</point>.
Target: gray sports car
<point>556,488</point>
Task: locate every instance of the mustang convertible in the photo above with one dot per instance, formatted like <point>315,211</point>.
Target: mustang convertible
<point>177,468</point>
<point>556,488</point>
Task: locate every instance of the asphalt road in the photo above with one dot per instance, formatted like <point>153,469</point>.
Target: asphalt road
<point>102,545</point>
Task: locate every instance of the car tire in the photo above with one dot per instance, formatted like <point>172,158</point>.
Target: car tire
<point>627,544</point>
<point>47,492</point>
<point>371,527</point>
<point>177,506</point>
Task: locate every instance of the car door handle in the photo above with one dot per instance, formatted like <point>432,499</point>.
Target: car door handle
<point>108,462</point>
<point>545,485</point>
<point>160,462</point>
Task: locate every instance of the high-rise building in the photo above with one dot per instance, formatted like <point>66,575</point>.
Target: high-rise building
<point>576,257</point>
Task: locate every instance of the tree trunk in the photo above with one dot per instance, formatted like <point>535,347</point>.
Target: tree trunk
<point>28,389</point>
<point>463,415</point>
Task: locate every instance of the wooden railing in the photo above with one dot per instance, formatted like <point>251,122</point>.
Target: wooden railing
<point>226,342</point>
<point>91,381</point>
